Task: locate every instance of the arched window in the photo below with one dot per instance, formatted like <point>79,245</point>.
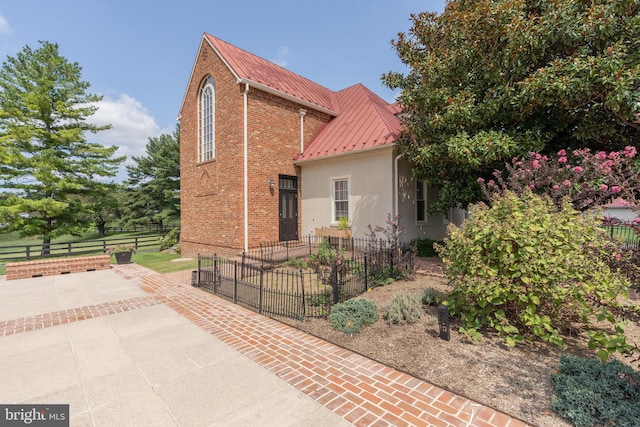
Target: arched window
<point>207,108</point>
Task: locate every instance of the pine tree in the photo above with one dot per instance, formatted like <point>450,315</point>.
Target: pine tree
<point>154,182</point>
<point>50,170</point>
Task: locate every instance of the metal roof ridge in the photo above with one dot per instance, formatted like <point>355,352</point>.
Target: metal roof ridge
<point>236,68</point>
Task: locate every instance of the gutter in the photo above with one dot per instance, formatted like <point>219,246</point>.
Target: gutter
<point>396,178</point>
<point>343,154</point>
<point>302,113</point>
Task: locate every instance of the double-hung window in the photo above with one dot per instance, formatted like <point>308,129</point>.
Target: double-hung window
<point>421,201</point>
<point>340,199</point>
<point>207,125</point>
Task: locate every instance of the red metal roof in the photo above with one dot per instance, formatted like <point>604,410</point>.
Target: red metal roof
<point>362,119</point>
<point>250,67</point>
<point>365,121</point>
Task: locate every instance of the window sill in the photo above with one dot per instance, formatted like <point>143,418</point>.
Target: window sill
<point>204,162</point>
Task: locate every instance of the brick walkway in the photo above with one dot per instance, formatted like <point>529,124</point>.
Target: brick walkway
<point>31,323</point>
<point>362,391</point>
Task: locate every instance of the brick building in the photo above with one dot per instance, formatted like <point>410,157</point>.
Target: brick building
<point>267,155</point>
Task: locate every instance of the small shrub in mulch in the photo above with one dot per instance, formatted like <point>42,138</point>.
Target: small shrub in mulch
<point>351,315</point>
<point>589,392</point>
<point>403,309</point>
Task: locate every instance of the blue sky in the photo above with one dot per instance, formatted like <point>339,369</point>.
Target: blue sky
<point>139,55</point>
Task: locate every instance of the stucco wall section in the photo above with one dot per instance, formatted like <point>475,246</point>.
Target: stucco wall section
<point>370,190</point>
<point>435,226</point>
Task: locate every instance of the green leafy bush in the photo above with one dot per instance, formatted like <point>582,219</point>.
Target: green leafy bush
<point>590,392</point>
<point>170,239</point>
<point>299,263</point>
<point>431,296</point>
<point>403,309</point>
<point>386,276</point>
<point>325,260</point>
<point>351,315</point>
<point>424,247</point>
<point>524,267</point>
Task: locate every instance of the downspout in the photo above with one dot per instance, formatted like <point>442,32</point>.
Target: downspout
<point>395,185</point>
<point>302,113</point>
<point>245,165</point>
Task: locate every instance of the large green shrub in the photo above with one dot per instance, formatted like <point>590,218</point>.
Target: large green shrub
<point>523,267</point>
<point>403,309</point>
<point>351,315</point>
<point>424,247</point>
<point>590,392</point>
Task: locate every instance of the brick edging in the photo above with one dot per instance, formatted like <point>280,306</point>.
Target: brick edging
<point>56,266</point>
<point>55,318</point>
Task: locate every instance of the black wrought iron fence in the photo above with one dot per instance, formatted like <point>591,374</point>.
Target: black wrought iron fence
<point>624,232</point>
<point>274,253</point>
<point>296,293</point>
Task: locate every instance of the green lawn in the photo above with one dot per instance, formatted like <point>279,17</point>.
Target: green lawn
<point>162,262</point>
<point>149,257</point>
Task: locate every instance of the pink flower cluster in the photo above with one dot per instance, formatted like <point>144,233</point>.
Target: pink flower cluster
<point>588,179</point>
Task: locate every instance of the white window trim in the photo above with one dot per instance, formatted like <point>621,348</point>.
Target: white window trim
<point>207,84</point>
<point>334,221</point>
<point>425,188</point>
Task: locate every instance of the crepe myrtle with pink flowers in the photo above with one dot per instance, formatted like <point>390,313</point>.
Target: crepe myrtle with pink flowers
<point>589,179</point>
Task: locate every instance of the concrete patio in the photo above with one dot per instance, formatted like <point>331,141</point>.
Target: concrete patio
<point>131,347</point>
<point>119,357</point>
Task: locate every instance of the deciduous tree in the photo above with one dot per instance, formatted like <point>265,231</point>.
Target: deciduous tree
<point>490,80</point>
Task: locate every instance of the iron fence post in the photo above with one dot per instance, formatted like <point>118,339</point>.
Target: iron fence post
<point>242,275</point>
<point>304,303</point>
<point>261,290</point>
<point>334,283</point>
<point>199,268</point>
<point>366,275</point>
<point>216,273</point>
<point>235,282</point>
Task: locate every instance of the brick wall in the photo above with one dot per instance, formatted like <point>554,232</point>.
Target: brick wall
<point>212,204</point>
<point>211,192</point>
<point>56,266</point>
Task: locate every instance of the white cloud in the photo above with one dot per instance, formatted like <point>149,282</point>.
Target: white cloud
<point>131,126</point>
<point>283,54</point>
<point>5,28</point>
